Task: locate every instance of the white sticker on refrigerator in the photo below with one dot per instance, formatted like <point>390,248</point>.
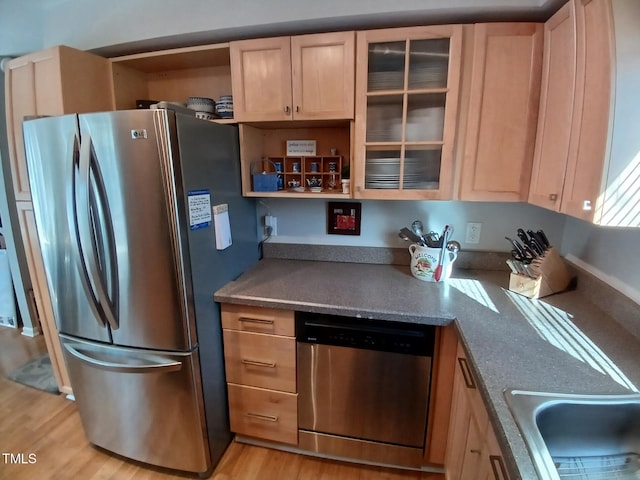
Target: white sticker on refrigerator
<point>199,209</point>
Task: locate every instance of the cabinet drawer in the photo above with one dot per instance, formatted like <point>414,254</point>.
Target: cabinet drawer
<point>273,321</point>
<point>260,360</point>
<point>265,414</point>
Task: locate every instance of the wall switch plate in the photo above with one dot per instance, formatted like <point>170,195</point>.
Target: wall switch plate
<point>473,232</point>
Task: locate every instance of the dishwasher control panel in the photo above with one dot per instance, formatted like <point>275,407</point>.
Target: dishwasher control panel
<point>382,335</point>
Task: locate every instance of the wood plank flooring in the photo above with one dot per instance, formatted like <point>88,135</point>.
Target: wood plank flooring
<point>35,422</point>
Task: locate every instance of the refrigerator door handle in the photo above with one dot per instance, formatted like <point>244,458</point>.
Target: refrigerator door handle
<point>88,239</point>
<point>156,364</point>
<point>74,233</point>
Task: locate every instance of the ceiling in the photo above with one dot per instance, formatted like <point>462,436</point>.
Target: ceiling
<point>115,28</point>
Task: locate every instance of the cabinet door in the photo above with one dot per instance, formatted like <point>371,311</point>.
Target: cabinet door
<point>27,222</point>
<point>261,79</point>
<point>556,109</point>
<point>590,125</point>
<point>503,111</point>
<point>406,107</point>
<point>323,76</point>
<point>33,87</point>
<point>51,82</point>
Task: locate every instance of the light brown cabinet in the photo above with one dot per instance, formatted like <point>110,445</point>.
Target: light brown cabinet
<point>260,365</point>
<point>406,112</point>
<point>502,112</point>
<point>41,293</point>
<point>587,160</point>
<point>306,77</point>
<point>556,108</point>
<point>472,449</point>
<point>55,81</point>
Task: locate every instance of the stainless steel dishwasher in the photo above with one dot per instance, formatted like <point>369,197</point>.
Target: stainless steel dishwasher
<point>363,387</point>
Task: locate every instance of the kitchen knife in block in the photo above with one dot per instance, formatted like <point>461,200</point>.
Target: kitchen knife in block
<point>553,277</point>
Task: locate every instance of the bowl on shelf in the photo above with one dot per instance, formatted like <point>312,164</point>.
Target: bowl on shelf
<point>202,104</point>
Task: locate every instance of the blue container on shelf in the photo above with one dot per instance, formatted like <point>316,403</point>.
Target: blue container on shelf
<point>264,181</point>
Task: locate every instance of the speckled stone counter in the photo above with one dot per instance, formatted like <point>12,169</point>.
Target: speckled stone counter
<point>562,343</point>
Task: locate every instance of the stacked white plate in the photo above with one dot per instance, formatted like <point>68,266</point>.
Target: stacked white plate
<point>385,80</point>
<point>427,76</point>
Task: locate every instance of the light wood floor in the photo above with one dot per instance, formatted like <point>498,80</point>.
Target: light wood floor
<point>35,422</point>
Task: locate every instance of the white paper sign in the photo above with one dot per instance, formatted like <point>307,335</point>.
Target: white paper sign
<point>222,226</point>
<point>199,209</point>
<point>301,147</point>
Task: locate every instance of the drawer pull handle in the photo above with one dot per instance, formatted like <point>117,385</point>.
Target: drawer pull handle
<point>466,373</point>
<point>258,363</point>
<point>476,451</point>
<point>266,418</point>
<point>497,465</point>
<point>256,320</point>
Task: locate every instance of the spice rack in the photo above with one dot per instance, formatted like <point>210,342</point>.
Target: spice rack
<point>552,277</point>
<point>304,170</point>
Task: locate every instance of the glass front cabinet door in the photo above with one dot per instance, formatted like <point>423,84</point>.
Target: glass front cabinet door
<point>407,86</point>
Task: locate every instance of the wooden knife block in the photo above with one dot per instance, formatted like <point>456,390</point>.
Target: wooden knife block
<point>553,277</point>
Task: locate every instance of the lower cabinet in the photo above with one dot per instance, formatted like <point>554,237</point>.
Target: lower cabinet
<point>42,298</point>
<point>260,364</point>
<point>472,448</point>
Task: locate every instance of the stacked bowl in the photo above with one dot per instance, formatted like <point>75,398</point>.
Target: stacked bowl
<point>205,107</point>
<point>224,107</point>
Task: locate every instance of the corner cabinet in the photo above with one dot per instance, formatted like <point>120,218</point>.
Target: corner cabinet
<point>55,81</point>
<point>407,92</point>
<point>503,112</point>
<point>260,365</point>
<point>472,448</point>
<point>306,77</point>
<point>586,163</point>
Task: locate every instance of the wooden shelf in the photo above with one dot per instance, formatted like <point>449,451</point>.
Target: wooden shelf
<point>172,75</point>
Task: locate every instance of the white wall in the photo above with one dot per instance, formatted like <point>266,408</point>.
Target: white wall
<point>613,252</point>
<point>27,25</point>
<point>304,221</point>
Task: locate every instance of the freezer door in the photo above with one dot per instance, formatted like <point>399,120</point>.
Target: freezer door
<point>138,268</point>
<point>142,404</point>
<point>52,148</point>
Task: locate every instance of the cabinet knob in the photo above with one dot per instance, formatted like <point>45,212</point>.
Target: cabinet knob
<point>586,205</point>
<point>287,110</point>
<point>553,197</point>
<point>297,108</point>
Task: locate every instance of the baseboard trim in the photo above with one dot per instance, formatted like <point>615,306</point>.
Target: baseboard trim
<point>619,285</point>
<point>31,331</point>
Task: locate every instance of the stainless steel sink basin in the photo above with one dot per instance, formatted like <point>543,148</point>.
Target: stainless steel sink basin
<point>581,437</point>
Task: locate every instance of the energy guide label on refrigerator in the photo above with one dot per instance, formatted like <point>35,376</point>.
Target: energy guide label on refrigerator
<point>199,209</point>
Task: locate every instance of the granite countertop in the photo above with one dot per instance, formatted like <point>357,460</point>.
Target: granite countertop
<point>561,343</point>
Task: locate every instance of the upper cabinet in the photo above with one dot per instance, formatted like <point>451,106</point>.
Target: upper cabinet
<point>55,81</point>
<point>172,75</point>
<point>502,111</point>
<point>307,77</point>
<point>406,109</point>
<point>600,130</point>
<point>556,109</point>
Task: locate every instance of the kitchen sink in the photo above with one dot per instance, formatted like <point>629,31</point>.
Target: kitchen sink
<point>581,437</point>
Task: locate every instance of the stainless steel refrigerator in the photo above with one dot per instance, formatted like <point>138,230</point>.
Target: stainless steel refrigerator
<point>123,203</point>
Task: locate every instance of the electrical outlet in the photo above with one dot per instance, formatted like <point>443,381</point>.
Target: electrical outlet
<point>473,232</point>
<point>270,225</point>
